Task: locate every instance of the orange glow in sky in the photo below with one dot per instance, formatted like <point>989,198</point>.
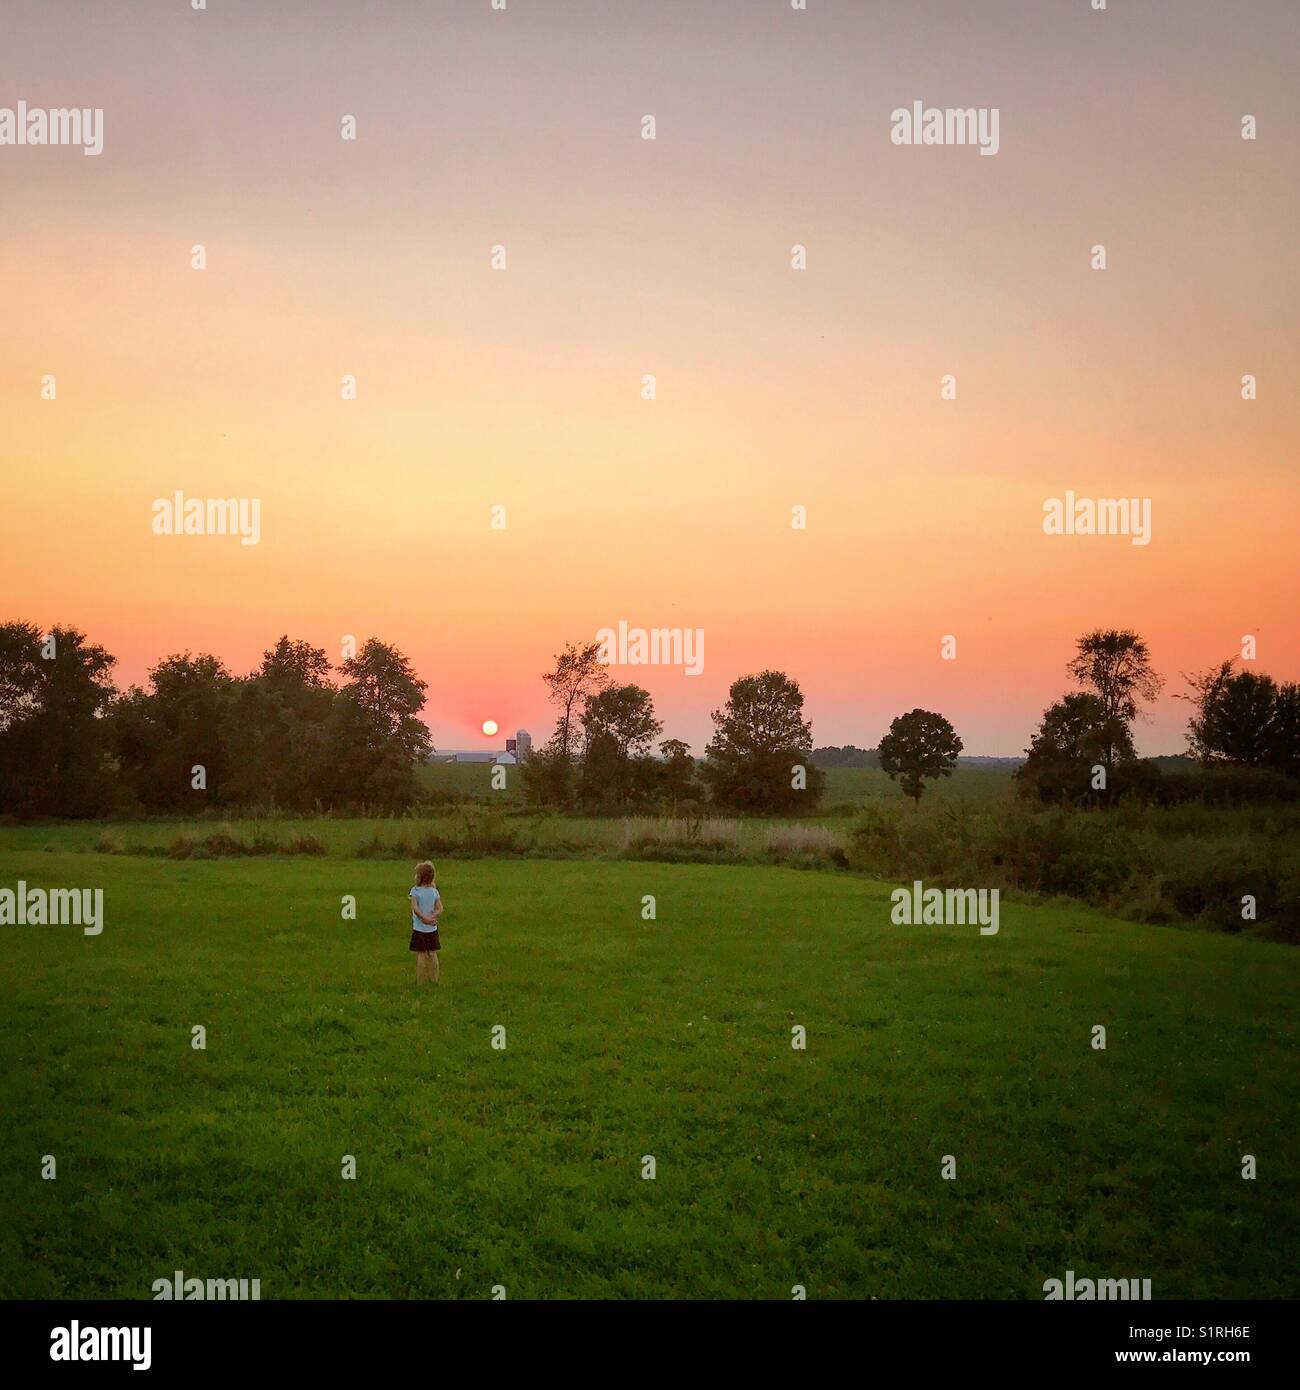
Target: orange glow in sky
<point>498,485</point>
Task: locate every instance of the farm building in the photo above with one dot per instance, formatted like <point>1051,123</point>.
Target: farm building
<point>515,751</point>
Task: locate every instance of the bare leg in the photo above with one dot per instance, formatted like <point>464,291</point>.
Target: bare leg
<point>419,967</point>
<point>435,966</point>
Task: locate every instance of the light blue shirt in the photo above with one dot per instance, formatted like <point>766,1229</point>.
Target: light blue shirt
<point>425,899</point>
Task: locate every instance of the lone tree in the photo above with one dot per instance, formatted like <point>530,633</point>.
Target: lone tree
<point>760,756</point>
<point>578,675</point>
<point>1116,664</point>
<point>919,745</point>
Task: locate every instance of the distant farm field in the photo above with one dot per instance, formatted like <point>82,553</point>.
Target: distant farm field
<point>846,787</point>
<point>627,1038</point>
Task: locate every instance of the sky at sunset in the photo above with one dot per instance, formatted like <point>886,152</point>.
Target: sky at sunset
<point>522,388</point>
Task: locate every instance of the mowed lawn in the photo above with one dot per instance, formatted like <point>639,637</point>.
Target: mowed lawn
<point>523,1167</point>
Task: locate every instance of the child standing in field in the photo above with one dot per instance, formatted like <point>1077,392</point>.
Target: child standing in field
<point>426,908</point>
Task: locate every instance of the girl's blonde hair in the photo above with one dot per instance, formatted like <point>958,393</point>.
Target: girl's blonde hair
<point>424,873</point>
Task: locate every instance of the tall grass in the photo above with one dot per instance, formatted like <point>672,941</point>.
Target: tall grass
<point>1232,869</point>
<point>644,832</point>
<point>747,841</point>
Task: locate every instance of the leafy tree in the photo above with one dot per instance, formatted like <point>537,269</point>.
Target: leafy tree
<point>374,739</point>
<point>295,666</point>
<point>1079,729</point>
<point>548,778</point>
<point>624,714</point>
<point>578,675</point>
<point>276,728</point>
<point>760,737</point>
<point>919,745</point>
<point>160,735</point>
<point>676,774</point>
<point>619,726</point>
<point>1244,718</point>
<point>1076,735</point>
<point>382,685</point>
<point>1116,664</point>
<point>21,676</point>
<point>54,689</point>
<point>605,777</point>
<point>1285,729</point>
<point>135,738</point>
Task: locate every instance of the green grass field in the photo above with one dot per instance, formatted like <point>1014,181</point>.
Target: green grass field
<point>522,1167</point>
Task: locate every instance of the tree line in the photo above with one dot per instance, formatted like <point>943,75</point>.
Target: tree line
<point>301,734</point>
<point>196,736</point>
<point>761,756</point>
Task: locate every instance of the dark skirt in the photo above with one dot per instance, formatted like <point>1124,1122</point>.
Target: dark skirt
<point>425,940</point>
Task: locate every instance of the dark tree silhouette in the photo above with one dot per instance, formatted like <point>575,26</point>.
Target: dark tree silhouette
<point>919,745</point>
<point>1244,718</point>
<point>760,738</point>
<point>1076,735</point>
<point>1116,664</point>
<point>578,675</point>
<point>54,687</point>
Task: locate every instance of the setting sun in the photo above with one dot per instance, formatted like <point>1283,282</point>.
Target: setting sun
<point>489,727</point>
